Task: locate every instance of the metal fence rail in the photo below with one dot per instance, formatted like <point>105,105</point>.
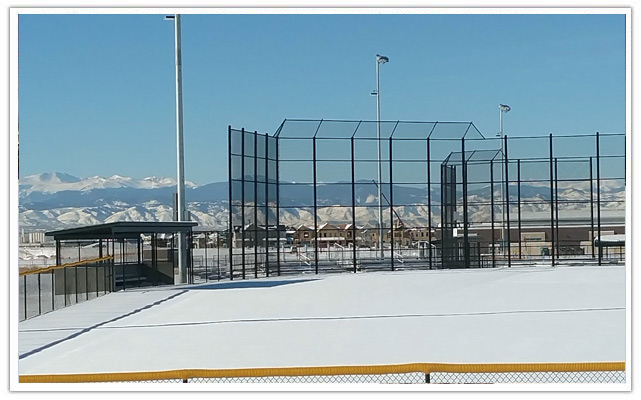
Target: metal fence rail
<point>416,373</point>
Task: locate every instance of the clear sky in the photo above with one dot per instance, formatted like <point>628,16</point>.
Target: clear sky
<point>97,92</point>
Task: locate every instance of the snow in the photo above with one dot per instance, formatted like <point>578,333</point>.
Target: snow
<point>611,238</point>
<point>522,314</point>
<point>57,181</point>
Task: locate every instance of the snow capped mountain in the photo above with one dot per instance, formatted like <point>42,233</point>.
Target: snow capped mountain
<point>56,201</point>
<point>53,182</point>
<point>49,179</point>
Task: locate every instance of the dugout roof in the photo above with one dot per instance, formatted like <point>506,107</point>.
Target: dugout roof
<point>121,230</point>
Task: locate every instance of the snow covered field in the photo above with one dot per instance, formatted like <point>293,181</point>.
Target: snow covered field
<point>523,314</point>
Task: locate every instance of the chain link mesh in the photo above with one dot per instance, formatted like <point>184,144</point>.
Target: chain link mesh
<point>530,377</point>
<point>422,378</point>
<point>406,378</point>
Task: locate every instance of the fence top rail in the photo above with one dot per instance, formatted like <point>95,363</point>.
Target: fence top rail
<point>426,368</point>
<point>333,128</point>
<point>66,265</point>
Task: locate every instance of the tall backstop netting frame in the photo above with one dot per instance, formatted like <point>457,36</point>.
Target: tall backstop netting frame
<point>334,195</point>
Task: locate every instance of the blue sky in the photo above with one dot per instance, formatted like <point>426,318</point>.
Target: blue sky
<point>97,92</point>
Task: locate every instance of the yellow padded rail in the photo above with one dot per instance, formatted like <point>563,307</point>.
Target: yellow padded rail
<point>311,371</point>
<point>67,265</point>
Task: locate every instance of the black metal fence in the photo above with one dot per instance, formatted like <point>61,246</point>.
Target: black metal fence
<point>44,290</point>
<point>209,256</point>
<point>129,264</point>
<point>327,195</point>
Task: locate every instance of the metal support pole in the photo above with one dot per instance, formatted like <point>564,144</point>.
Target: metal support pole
<point>556,206</point>
<point>591,209</point>
<point>242,207</point>
<point>113,265</point>
<point>507,203</point>
<point>24,280</point>
<point>100,263</point>
<point>53,291</point>
<point>230,224</point>
<point>378,142</point>
<point>138,266</point>
<point>206,267</point>
<point>40,295</point>
<point>429,203</point>
<point>493,240</point>
<point>391,205</point>
<point>277,207</point>
<point>154,256</point>
<point>502,187</point>
<point>598,197</point>
<point>75,281</point>
<point>255,238</point>
<point>182,256</point>
<point>105,265</point>
<point>518,174</point>
<point>353,208</point>
<point>315,208</point>
<point>443,228</point>
<point>551,201</point>
<point>122,262</point>
<point>110,269</point>
<point>64,272</point>
<point>466,239</point>
<point>86,282</point>
<point>267,205</point>
<point>190,256</point>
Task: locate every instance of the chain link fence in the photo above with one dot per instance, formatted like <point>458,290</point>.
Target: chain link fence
<point>332,196</point>
<point>421,373</point>
<point>530,377</point>
<point>432,378</point>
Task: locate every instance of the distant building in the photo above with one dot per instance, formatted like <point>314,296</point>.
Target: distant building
<point>34,237</point>
<point>332,235</point>
<point>258,235</point>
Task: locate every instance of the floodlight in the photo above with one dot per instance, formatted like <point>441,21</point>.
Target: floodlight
<point>504,107</point>
<point>381,59</point>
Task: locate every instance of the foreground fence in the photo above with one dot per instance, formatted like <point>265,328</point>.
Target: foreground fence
<point>416,373</point>
<point>47,289</point>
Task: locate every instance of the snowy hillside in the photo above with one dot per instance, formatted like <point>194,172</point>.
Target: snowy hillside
<point>57,181</point>
<point>56,200</point>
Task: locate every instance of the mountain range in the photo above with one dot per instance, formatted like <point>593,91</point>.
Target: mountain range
<point>56,200</point>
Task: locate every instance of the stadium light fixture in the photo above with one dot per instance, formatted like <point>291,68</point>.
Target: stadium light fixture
<point>379,60</point>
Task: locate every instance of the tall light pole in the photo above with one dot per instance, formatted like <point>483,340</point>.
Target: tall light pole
<point>182,243</point>
<point>503,108</point>
<point>379,60</point>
